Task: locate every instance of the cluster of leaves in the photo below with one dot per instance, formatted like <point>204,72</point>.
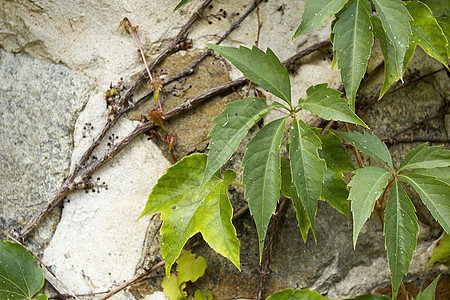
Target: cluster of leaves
<point>192,194</point>
<point>189,268</point>
<point>20,277</point>
<point>290,294</point>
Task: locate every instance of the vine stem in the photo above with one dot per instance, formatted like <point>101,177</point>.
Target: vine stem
<point>272,231</point>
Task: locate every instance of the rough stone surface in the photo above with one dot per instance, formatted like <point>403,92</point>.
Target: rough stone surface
<point>39,103</point>
<point>98,243</point>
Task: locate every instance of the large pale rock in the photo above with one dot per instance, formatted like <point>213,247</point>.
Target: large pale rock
<point>39,103</point>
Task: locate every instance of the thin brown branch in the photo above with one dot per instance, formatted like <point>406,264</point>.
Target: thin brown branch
<point>272,231</point>
<point>129,282</point>
<point>291,61</point>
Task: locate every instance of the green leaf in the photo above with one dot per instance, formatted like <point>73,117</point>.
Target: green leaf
<point>334,191</point>
<point>262,175</point>
<point>442,250</point>
<point>426,33</point>
<point>328,104</point>
<point>444,22</point>
<point>172,289</point>
<point>400,230</point>
<point>335,155</point>
<point>232,126</point>
<point>442,174</point>
<point>186,208</point>
<point>307,168</point>
<point>288,190</point>
<point>352,44</point>
<point>367,186</point>
<point>315,13</point>
<point>434,194</point>
<point>426,157</point>
<point>290,294</point>
<point>370,297</point>
<point>368,144</point>
<point>395,21</point>
<point>264,69</point>
<point>181,4</point>
<point>190,267</point>
<point>428,293</point>
<point>20,277</point>
<point>439,7</point>
<point>40,297</point>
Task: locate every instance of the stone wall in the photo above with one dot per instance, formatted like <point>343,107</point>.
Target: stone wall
<point>57,58</point>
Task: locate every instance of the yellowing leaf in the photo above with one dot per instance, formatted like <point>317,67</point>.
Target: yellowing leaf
<point>190,267</point>
<point>187,208</point>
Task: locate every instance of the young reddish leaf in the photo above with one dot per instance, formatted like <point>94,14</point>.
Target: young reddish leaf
<point>172,141</point>
<point>157,85</point>
<point>156,116</point>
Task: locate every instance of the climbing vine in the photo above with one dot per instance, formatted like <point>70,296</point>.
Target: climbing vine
<point>193,194</point>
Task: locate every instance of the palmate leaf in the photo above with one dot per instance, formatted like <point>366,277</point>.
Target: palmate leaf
<point>264,69</point>
<point>366,187</point>
<point>290,294</point>
<point>352,43</point>
<point>315,13</point>
<point>288,190</point>
<point>328,104</point>
<point>434,194</point>
<point>262,175</point>
<point>426,157</point>
<point>429,292</point>
<point>395,21</point>
<point>181,4</point>
<point>307,168</point>
<point>172,289</point>
<point>426,33</point>
<point>441,250</point>
<point>20,277</point>
<point>400,230</point>
<point>187,208</point>
<point>368,144</point>
<point>232,126</point>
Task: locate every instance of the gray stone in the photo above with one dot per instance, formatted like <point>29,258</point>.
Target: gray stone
<point>39,103</point>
